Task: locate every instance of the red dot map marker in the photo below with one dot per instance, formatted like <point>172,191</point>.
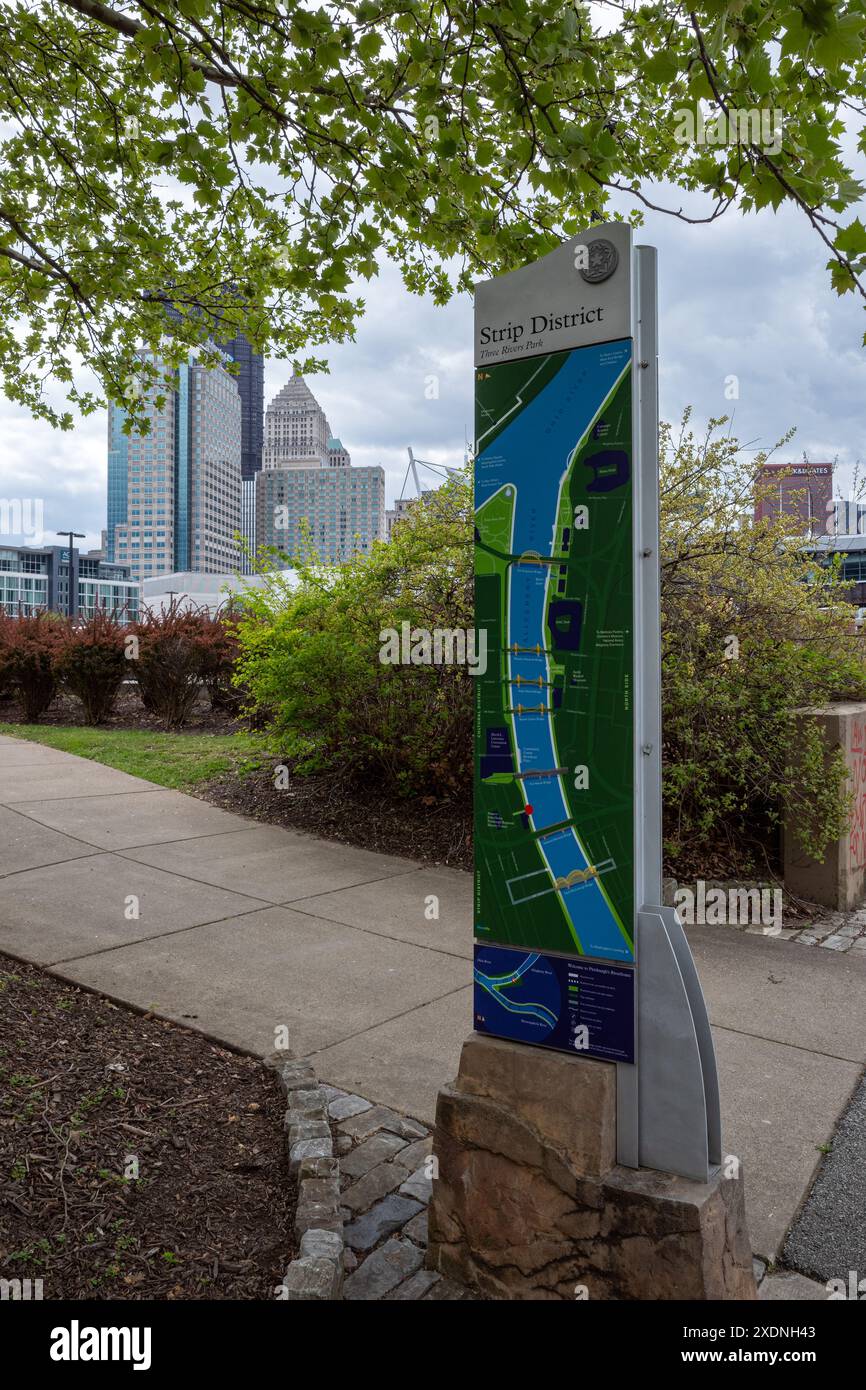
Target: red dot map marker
<point>527,810</point>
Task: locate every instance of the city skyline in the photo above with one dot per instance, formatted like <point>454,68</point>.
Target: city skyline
<point>802,364</point>
<point>179,497</point>
<point>308,493</point>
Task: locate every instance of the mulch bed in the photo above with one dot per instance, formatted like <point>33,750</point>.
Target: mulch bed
<point>438,832</point>
<point>85,1086</point>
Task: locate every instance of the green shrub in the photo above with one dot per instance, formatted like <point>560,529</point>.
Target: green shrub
<point>733,754</point>
<point>310,658</point>
<point>751,630</point>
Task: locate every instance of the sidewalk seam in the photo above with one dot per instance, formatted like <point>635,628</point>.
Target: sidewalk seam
<point>161,936</point>
<point>86,796</point>
<point>796,1047</point>
<point>317,1052</point>
<point>54,863</point>
<point>368,931</point>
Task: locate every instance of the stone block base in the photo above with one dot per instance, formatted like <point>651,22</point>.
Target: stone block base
<point>839,879</point>
<point>528,1203</point>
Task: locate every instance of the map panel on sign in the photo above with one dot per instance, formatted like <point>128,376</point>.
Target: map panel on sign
<point>554,795</point>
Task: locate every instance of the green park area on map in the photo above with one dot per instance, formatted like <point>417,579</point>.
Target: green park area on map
<point>554,710</point>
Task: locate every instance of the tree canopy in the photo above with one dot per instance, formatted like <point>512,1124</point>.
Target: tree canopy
<point>255,161</point>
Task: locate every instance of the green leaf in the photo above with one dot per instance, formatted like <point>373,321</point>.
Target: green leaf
<point>662,67</point>
<point>368,46</point>
<point>758,72</point>
<point>842,44</point>
<point>851,240</point>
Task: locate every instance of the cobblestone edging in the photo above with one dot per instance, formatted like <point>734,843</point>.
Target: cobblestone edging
<point>317,1273</point>
<point>838,931</point>
<point>386,1181</point>
<point>777,1284</point>
<point>362,1210</point>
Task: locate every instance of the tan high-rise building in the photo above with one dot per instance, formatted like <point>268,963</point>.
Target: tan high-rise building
<point>296,430</point>
<point>307,485</point>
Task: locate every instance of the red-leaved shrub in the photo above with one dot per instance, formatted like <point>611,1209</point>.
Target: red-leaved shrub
<point>220,649</point>
<point>93,664</point>
<point>30,649</point>
<point>170,663</point>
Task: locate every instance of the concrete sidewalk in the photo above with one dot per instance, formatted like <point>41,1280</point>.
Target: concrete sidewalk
<point>241,929</point>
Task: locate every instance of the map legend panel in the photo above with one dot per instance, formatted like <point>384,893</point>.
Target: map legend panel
<point>568,1004</point>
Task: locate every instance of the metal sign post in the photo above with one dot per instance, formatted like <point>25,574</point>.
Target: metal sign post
<point>573,948</point>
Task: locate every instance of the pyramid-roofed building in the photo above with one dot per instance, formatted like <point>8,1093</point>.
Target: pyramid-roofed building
<point>297,432</point>
<point>308,492</point>
<point>295,392</point>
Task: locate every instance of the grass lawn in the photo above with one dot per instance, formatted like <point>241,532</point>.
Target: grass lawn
<point>180,761</point>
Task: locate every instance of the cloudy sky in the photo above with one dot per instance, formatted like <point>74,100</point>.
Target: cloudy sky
<point>745,297</point>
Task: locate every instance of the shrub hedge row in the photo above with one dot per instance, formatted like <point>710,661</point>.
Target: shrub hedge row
<point>171,655</point>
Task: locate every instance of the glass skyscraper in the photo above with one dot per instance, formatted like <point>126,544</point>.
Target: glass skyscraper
<point>117,474</point>
<point>179,486</point>
<point>251,387</point>
<point>250,379</point>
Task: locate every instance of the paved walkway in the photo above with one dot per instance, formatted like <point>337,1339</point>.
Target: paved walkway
<point>243,930</point>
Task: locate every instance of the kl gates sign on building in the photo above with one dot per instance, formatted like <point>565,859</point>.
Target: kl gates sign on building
<point>573,949</point>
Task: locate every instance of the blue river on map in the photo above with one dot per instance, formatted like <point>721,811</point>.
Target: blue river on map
<point>520,1000</point>
<point>549,428</point>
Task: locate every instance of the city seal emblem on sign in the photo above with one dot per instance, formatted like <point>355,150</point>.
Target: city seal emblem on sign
<point>603,259</point>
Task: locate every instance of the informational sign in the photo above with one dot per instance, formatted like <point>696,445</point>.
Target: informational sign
<point>574,949</point>
<point>554,791</point>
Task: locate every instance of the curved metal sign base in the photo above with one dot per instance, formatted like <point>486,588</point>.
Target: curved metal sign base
<point>678,1091</point>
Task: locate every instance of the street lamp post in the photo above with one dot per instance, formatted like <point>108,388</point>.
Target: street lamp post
<point>72,604</point>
